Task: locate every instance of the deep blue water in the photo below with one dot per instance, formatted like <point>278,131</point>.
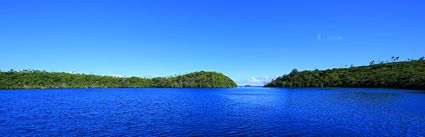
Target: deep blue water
<point>212,112</point>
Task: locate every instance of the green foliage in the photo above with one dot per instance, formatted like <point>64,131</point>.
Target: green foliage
<point>42,79</point>
<point>406,75</point>
<point>195,80</point>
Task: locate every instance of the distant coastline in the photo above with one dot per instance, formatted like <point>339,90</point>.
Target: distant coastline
<point>401,75</point>
<point>35,79</point>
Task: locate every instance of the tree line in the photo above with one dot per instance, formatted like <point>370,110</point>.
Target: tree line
<point>27,79</point>
<point>404,74</point>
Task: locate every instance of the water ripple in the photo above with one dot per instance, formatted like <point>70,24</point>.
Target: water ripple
<point>212,112</point>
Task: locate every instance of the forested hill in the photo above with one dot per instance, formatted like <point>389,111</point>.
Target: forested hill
<point>195,79</point>
<point>41,79</point>
<point>405,75</point>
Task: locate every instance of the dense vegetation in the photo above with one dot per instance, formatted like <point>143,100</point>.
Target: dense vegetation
<point>42,79</point>
<point>407,75</point>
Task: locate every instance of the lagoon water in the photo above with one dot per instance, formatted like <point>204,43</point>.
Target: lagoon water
<point>212,112</point>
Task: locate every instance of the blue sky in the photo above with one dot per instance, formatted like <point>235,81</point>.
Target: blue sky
<point>249,40</point>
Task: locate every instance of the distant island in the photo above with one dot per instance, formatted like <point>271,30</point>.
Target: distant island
<point>403,75</point>
<point>35,79</point>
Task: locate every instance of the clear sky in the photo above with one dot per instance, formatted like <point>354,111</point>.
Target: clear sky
<point>244,39</point>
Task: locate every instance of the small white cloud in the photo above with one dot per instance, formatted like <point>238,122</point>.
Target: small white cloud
<point>256,81</point>
<point>329,37</point>
<point>147,76</point>
<point>72,72</point>
<point>118,76</point>
<point>253,79</point>
<point>334,38</point>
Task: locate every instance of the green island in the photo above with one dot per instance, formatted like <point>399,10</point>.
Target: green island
<point>35,79</point>
<point>404,75</point>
